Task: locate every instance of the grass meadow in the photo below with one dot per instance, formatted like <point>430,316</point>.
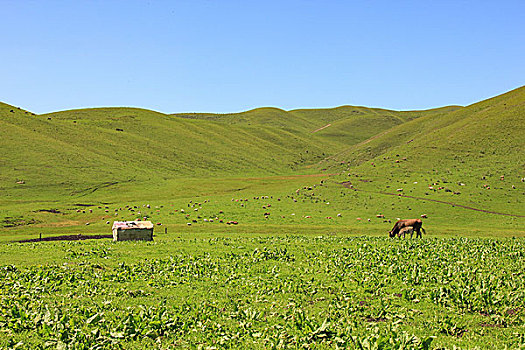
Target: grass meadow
<point>268,235</point>
<point>264,291</point>
<point>291,274</point>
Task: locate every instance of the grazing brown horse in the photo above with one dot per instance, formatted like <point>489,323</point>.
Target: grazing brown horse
<point>415,223</point>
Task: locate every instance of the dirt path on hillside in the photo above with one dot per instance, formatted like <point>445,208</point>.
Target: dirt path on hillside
<point>372,138</point>
<point>321,128</point>
<point>348,183</point>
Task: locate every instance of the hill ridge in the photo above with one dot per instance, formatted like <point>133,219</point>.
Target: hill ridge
<point>118,143</point>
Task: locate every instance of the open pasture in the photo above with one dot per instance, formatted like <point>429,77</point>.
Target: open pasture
<point>291,273</point>
<point>256,291</point>
<point>270,228</point>
<point>461,166</point>
<point>292,204</point>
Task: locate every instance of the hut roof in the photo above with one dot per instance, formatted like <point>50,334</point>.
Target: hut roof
<point>127,225</point>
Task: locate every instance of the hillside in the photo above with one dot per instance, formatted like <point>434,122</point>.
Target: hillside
<point>472,156</point>
<point>79,151</point>
<point>400,164</point>
<point>341,126</point>
<point>241,199</point>
<point>492,128</point>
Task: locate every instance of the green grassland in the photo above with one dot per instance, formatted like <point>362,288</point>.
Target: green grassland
<point>446,155</point>
<point>251,291</point>
<point>313,193</point>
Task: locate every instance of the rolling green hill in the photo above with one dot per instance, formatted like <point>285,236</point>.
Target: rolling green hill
<point>440,160</point>
<point>487,135</point>
<point>269,224</point>
<point>340,126</point>
<point>78,151</point>
<point>472,156</point>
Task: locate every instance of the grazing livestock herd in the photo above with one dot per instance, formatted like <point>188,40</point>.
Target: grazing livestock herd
<point>400,229</point>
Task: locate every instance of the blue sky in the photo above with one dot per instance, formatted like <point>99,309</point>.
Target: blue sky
<point>228,56</point>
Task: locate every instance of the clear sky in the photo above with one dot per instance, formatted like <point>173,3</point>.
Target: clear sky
<point>229,56</point>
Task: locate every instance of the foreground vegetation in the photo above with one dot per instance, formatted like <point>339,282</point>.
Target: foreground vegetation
<point>264,292</point>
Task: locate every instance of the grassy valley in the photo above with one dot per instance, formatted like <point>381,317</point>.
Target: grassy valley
<point>471,156</point>
<point>118,156</point>
<point>270,228</point>
<point>107,145</point>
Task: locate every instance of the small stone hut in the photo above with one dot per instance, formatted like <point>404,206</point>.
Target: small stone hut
<point>132,231</point>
